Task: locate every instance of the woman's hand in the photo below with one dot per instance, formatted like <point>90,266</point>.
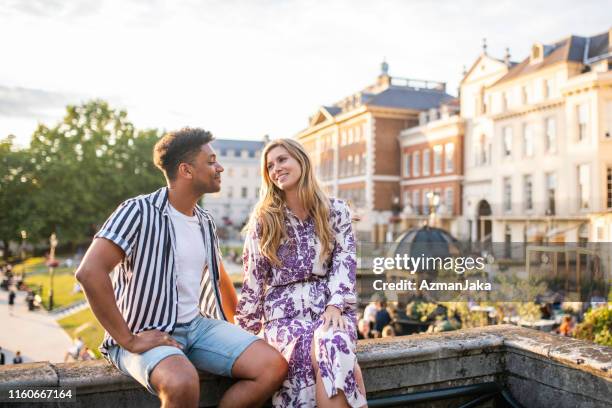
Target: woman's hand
<point>333,316</point>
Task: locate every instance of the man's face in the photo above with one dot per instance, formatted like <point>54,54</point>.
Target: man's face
<point>206,171</point>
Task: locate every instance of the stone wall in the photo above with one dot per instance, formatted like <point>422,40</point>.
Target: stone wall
<point>539,369</point>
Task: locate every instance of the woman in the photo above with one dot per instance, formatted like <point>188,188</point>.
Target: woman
<point>299,282</point>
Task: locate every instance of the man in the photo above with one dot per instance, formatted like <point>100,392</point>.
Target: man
<point>2,357</point>
<point>172,297</point>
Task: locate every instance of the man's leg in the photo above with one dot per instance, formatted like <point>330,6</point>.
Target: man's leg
<point>261,371</point>
<point>164,371</point>
<point>176,381</point>
<point>224,349</point>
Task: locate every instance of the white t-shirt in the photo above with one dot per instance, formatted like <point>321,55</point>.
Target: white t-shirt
<point>191,260</point>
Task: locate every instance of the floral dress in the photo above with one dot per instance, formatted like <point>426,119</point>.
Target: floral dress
<point>288,301</point>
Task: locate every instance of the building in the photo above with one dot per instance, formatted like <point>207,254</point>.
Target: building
<point>240,182</point>
<point>355,149</point>
<point>538,151</point>
<point>432,168</point>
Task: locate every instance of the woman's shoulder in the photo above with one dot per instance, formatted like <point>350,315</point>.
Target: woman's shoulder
<point>338,208</point>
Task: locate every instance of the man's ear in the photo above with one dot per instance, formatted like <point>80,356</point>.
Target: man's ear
<point>184,170</point>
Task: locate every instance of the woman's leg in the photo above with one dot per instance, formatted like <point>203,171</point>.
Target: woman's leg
<point>323,401</point>
<point>359,379</point>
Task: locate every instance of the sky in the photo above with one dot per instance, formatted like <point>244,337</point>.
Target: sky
<point>246,68</point>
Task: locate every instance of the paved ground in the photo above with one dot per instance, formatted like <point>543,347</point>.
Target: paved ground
<point>36,334</point>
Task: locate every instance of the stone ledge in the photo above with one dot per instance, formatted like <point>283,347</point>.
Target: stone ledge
<point>390,366</point>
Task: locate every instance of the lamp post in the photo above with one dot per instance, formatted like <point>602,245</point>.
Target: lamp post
<point>24,236</point>
<point>52,264</point>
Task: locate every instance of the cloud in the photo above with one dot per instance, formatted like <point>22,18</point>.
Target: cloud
<point>16,102</point>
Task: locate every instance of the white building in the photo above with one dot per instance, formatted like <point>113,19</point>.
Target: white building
<point>538,148</point>
<point>240,182</point>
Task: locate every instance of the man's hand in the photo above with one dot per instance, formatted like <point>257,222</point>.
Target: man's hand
<point>146,340</point>
<point>333,317</point>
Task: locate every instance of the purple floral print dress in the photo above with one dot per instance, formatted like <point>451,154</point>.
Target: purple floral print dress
<point>288,301</point>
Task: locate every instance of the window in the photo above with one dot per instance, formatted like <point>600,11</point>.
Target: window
<point>582,116</point>
<point>406,199</point>
<point>449,152</point>
<point>416,199</point>
<point>230,192</point>
<point>343,138</point>
<point>407,164</point>
<point>230,172</point>
<point>527,140</point>
<point>437,159</point>
<point>583,186</point>
<point>256,192</point>
<point>350,166</point>
<point>550,135</point>
<point>356,168</point>
<point>609,187</point>
<point>425,201</point>
<point>426,162</point>
<point>507,141</point>
<point>449,198</point>
<point>504,101</point>
<point>363,163</point>
<point>416,164</point>
<point>528,190</point>
<point>524,95</point>
<point>482,150</point>
<point>551,187</point>
<point>244,192</point>
<point>548,88</point>
<point>507,194</point>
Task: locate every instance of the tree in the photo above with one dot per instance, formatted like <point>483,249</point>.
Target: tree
<point>17,186</point>
<point>85,166</point>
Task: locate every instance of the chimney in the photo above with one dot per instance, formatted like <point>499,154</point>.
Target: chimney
<point>507,57</point>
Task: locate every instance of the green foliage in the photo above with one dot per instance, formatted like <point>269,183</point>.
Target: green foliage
<point>63,286</point>
<point>596,326</point>
<point>17,186</point>
<point>75,173</point>
<point>84,324</point>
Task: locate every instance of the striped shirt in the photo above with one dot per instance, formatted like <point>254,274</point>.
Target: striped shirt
<point>145,281</point>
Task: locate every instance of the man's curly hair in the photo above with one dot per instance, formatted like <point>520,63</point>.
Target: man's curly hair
<point>180,146</point>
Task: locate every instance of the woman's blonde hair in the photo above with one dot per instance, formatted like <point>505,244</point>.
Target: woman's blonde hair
<point>268,216</point>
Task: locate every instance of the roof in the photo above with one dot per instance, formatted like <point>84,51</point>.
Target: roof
<point>571,48</point>
<point>223,145</point>
<point>333,110</point>
<point>407,98</point>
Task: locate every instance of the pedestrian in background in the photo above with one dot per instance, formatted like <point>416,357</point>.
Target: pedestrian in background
<point>17,359</point>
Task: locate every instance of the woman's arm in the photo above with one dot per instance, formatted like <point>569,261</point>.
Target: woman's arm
<point>343,261</point>
<point>249,312</point>
<point>229,299</point>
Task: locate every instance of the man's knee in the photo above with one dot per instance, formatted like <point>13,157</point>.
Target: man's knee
<point>175,377</point>
<point>261,361</point>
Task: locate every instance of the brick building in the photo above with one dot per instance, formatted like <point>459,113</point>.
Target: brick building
<point>355,148</point>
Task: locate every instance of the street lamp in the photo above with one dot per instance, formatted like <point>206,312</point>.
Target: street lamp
<point>52,264</point>
<point>24,236</point>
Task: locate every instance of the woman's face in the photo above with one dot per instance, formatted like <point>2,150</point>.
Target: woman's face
<point>283,169</point>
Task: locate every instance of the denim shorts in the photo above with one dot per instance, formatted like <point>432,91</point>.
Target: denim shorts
<point>211,345</point>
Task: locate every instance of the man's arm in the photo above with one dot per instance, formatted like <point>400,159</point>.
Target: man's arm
<point>229,299</point>
<point>93,275</point>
